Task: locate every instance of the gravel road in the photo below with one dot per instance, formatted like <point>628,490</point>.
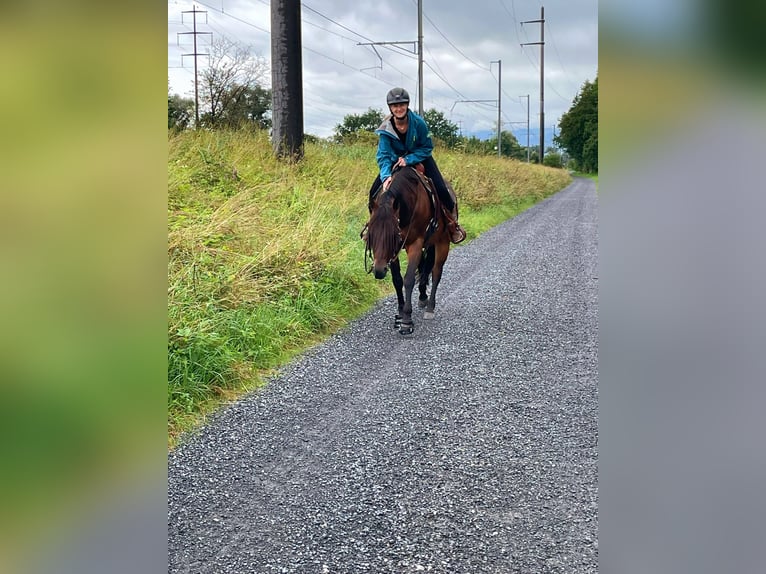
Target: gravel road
<point>469,447</point>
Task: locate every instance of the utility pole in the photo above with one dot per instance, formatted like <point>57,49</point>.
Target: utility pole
<point>478,101</point>
<point>194,13</point>
<point>286,79</point>
<point>527,96</point>
<point>420,58</point>
<point>541,43</point>
<point>499,89</point>
<point>418,49</point>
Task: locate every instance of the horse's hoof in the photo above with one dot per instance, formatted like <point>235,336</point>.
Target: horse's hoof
<point>397,321</point>
<point>422,302</point>
<point>428,315</point>
<point>406,329</point>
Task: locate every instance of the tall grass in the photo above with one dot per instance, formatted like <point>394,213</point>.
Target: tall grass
<point>264,257</point>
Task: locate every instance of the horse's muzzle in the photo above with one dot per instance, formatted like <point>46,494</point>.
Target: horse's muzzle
<point>380,272</point>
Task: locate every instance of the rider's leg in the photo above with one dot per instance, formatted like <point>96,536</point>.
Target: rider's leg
<point>432,171</point>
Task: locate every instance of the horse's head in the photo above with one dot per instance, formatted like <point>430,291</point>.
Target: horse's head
<point>383,236</point>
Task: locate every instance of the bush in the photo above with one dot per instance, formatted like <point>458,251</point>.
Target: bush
<point>553,159</point>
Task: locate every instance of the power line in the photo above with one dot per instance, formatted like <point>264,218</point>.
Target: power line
<point>458,50</point>
<point>243,21</point>
<point>235,18</point>
<point>513,16</point>
<point>334,55</point>
<point>444,80</point>
<point>336,23</point>
<point>555,49</point>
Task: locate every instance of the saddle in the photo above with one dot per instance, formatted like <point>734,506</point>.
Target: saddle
<point>436,202</point>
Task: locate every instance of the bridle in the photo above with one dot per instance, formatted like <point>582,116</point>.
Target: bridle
<point>368,249</point>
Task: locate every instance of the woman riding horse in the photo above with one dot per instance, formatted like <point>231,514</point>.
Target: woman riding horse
<point>404,215</point>
<point>403,139</point>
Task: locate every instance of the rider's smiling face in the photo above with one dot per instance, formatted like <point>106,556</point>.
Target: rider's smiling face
<point>399,110</point>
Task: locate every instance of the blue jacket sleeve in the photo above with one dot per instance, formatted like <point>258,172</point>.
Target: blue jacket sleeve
<point>422,147</point>
<point>386,156</point>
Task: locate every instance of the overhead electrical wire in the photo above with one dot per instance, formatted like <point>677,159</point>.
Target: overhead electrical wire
<point>398,50</point>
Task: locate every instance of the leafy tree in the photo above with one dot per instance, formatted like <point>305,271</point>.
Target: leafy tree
<point>510,146</point>
<point>180,112</point>
<point>552,158</point>
<point>252,106</point>
<point>476,146</point>
<point>353,123</point>
<point>578,133</point>
<point>441,128</point>
<point>229,82</point>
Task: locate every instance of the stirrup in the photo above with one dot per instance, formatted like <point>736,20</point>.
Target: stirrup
<point>459,232</point>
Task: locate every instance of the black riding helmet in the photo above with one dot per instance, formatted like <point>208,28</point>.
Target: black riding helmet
<point>397,96</point>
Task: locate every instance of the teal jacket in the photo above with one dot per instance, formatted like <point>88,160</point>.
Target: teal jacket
<point>390,149</point>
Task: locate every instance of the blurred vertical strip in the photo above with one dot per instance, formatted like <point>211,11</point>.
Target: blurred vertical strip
<point>83,159</point>
<point>682,277</point>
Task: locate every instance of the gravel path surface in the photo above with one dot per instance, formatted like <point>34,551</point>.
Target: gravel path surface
<point>469,447</point>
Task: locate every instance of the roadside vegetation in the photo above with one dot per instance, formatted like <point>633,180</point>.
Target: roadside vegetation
<point>264,257</point>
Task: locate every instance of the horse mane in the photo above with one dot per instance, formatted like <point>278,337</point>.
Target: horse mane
<point>406,183</point>
<point>385,222</point>
<point>383,228</point>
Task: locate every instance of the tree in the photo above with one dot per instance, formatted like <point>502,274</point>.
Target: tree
<point>180,112</point>
<point>353,123</point>
<point>474,145</point>
<point>441,128</point>
<point>233,70</point>
<point>552,158</point>
<point>578,133</point>
<point>251,107</point>
<point>510,146</point>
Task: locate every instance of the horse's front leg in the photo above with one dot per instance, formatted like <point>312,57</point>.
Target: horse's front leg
<point>396,279</point>
<point>413,258</point>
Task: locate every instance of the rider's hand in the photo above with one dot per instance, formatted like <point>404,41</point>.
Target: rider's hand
<point>387,182</point>
<point>401,162</point>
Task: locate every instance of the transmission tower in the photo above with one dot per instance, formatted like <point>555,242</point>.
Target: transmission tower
<point>194,33</point>
<point>541,43</point>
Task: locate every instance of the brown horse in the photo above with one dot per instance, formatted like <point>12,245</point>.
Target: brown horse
<point>408,216</point>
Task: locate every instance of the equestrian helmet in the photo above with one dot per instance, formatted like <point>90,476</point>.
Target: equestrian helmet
<point>397,96</point>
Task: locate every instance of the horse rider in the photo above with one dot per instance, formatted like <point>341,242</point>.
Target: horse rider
<point>403,139</point>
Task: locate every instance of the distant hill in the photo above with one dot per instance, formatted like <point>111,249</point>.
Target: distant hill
<point>521,135</point>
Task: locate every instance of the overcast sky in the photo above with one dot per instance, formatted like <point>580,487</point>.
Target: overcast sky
<point>460,39</point>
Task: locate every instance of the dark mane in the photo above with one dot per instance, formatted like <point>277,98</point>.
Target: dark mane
<point>383,230</point>
<point>404,186</point>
